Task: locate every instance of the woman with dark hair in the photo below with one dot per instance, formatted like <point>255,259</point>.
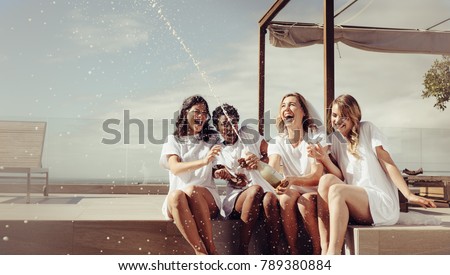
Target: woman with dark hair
<point>193,198</point>
<point>288,153</point>
<point>362,187</point>
<point>247,190</point>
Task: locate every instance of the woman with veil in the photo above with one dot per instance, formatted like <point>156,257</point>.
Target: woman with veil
<point>288,153</point>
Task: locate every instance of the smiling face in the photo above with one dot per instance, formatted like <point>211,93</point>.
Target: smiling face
<point>346,115</point>
<point>340,122</point>
<point>197,115</point>
<point>291,112</point>
<point>228,129</point>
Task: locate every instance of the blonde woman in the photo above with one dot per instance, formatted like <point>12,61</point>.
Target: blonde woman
<point>362,187</point>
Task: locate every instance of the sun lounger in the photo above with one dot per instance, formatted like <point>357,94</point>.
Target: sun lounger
<point>21,146</point>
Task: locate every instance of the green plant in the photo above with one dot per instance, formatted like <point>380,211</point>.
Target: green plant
<point>437,82</point>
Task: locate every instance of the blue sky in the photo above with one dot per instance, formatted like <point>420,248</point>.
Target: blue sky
<point>77,63</point>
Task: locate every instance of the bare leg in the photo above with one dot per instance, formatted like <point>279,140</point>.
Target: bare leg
<point>272,219</point>
<point>288,205</point>
<point>322,209</point>
<point>345,201</point>
<point>179,211</point>
<point>203,208</point>
<point>248,204</point>
<point>307,205</point>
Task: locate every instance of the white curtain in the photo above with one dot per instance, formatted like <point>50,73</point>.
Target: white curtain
<point>364,38</point>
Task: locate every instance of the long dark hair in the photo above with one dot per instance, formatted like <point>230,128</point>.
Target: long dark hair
<point>182,125</point>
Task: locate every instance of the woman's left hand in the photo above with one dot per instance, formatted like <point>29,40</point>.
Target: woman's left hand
<point>424,202</point>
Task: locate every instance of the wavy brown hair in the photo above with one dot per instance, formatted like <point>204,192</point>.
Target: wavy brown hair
<point>349,108</point>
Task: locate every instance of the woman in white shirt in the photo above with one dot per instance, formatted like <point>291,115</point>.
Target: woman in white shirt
<point>188,154</point>
<point>247,190</point>
<point>288,153</point>
<point>362,188</point>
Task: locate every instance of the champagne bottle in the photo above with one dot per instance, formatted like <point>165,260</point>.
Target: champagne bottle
<point>269,174</point>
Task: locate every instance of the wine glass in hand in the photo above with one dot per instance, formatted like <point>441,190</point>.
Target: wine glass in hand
<point>314,135</point>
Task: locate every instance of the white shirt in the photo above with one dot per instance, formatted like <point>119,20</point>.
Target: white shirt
<point>250,141</point>
<point>295,160</point>
<point>188,149</point>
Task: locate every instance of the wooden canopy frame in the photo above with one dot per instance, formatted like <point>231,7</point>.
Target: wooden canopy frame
<point>328,39</point>
<point>291,34</point>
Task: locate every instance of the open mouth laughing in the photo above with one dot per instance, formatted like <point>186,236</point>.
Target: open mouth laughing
<point>198,122</point>
<point>288,118</point>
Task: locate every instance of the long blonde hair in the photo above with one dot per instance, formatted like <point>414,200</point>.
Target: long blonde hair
<point>280,122</point>
<point>349,108</point>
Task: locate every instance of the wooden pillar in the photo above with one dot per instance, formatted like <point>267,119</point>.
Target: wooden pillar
<point>262,58</point>
<point>263,24</point>
<point>328,43</point>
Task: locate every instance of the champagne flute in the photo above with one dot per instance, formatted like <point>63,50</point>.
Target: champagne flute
<point>314,135</point>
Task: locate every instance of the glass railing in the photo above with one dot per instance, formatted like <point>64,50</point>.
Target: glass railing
<point>415,148</point>
<point>77,151</point>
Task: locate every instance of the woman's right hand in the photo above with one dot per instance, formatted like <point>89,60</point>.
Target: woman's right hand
<point>317,151</point>
<point>222,174</point>
<point>213,152</point>
<point>250,160</point>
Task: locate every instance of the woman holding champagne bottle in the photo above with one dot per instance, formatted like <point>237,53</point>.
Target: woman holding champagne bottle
<point>243,152</point>
<point>288,154</point>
